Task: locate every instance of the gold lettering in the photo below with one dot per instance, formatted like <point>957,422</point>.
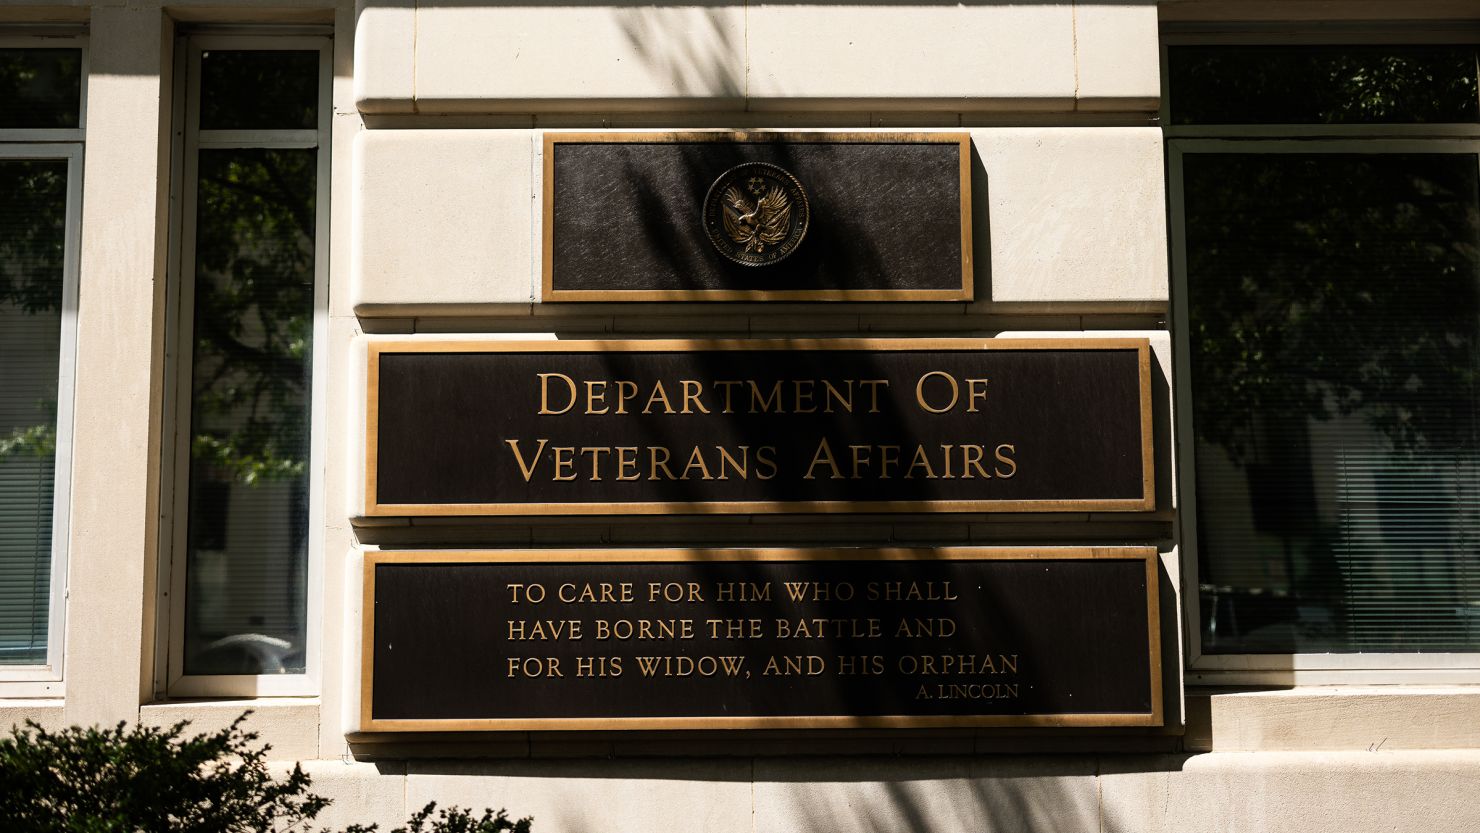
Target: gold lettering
<point>627,462</point>
<point>596,394</point>
<point>975,389</point>
<point>595,452</point>
<point>696,460</point>
<point>888,460</point>
<point>832,394</point>
<point>545,392</point>
<point>873,386</point>
<point>658,457</point>
<point>691,393</point>
<point>921,460</point>
<point>742,591</point>
<point>527,471</point>
<point>801,394</point>
<point>740,466</point>
<point>1006,460</point>
<point>598,666</point>
<point>765,456</point>
<point>626,392</point>
<point>658,394</point>
<point>971,458</point>
<point>728,386</point>
<point>565,461</point>
<point>824,453</point>
<point>767,403</point>
<point>534,667</point>
<point>920,391</point>
<point>674,592</point>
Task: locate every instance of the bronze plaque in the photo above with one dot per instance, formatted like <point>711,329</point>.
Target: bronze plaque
<point>680,639</point>
<point>885,216</point>
<point>841,425</point>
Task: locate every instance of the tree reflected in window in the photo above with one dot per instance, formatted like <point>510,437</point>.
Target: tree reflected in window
<point>33,207</point>
<point>250,386</point>
<point>1322,84</point>
<point>1334,307</point>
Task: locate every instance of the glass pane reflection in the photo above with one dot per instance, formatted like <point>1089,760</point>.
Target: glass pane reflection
<point>248,550</point>
<point>1335,322</point>
<point>33,203</point>
<point>40,88</point>
<point>1322,84</point>
<point>259,90</point>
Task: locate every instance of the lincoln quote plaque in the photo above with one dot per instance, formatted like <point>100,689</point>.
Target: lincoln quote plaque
<point>845,425</point>
<point>760,638</point>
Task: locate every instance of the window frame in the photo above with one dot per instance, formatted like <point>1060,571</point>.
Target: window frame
<point>64,144</point>
<point>1460,139</point>
<point>170,681</point>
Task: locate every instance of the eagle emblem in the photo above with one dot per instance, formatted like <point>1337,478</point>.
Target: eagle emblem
<point>756,213</point>
<point>759,223</point>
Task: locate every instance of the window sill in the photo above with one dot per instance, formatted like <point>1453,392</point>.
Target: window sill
<point>48,713</point>
<point>290,725</point>
<point>1332,718</point>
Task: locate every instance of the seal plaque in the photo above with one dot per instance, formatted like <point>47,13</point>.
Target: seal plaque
<point>756,214</point>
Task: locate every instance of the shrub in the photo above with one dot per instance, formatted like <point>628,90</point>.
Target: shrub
<point>148,780</point>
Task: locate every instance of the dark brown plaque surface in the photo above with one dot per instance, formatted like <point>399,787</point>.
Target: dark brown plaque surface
<point>760,638</point>
<point>841,425</point>
<point>890,217</point>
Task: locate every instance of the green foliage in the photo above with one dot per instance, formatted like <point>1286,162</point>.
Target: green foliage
<point>1338,84</point>
<point>1333,285</point>
<point>128,780</point>
<point>148,780</point>
<point>40,87</point>
<point>458,820</point>
<point>31,440</point>
<point>253,321</point>
<point>33,209</point>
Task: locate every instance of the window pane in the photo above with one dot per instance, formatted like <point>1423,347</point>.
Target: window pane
<point>259,90</point>
<point>1322,84</point>
<point>248,535</point>
<point>1335,325</point>
<point>33,202</point>
<point>40,87</point>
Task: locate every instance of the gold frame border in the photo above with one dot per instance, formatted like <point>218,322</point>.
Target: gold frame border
<point>966,292</point>
<point>1148,555</point>
<point>373,508</point>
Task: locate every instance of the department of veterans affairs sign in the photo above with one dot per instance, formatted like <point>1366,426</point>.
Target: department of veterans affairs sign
<point>488,427</point>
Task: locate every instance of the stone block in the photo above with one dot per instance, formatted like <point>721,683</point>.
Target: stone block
<point>1117,53</point>
<point>289,726</point>
<point>360,793</point>
<point>920,56</point>
<point>538,58</point>
<point>1370,718</point>
<point>708,795</point>
<point>1069,215</point>
<point>443,217</point>
<point>925,795</point>
<point>1291,792</point>
<point>385,55</point>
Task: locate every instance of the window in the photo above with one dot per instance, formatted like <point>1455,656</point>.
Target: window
<point>251,309</point>
<point>1326,253</point>
<point>41,123</point>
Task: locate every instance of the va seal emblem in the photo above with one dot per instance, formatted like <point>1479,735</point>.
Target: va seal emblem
<point>756,214</point>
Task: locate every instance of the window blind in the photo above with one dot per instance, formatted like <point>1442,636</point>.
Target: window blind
<point>1334,307</point>
<point>33,196</point>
